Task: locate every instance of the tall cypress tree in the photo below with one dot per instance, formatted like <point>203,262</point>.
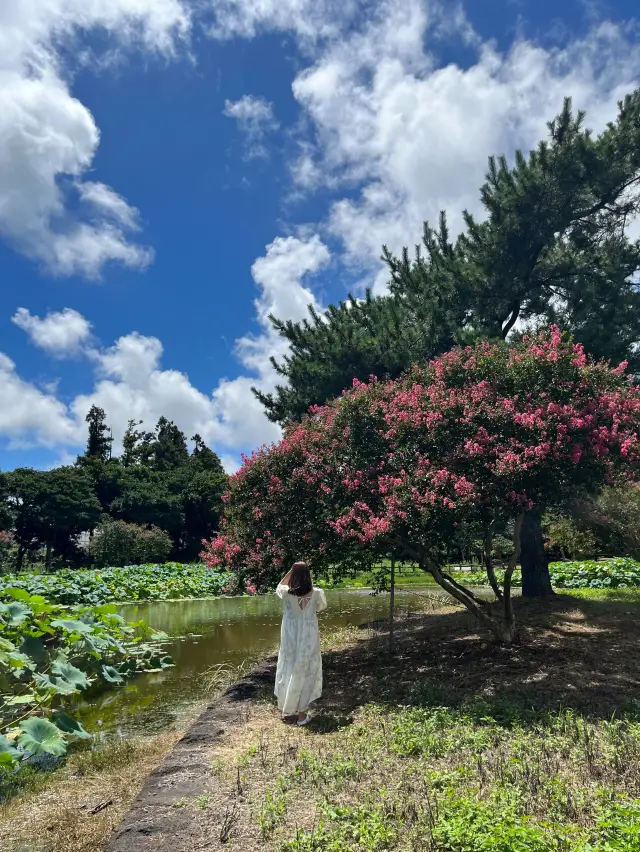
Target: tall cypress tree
<point>99,440</point>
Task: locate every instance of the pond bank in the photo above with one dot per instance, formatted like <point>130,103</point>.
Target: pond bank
<point>160,818</point>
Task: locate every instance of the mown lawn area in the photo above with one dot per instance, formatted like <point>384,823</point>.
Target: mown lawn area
<point>451,744</point>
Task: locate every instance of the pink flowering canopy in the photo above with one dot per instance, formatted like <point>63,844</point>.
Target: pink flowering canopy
<point>480,433</point>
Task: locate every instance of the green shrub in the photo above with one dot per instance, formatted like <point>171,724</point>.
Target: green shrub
<point>119,543</point>
<point>154,545</point>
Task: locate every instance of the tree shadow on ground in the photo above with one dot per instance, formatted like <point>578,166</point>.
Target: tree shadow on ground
<point>572,654</point>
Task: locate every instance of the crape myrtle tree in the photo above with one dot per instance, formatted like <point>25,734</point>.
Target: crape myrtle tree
<point>478,437</point>
<point>552,247</point>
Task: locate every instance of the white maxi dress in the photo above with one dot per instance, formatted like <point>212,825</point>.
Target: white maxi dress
<point>299,672</point>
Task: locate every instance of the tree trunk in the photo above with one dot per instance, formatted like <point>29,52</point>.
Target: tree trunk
<point>47,559</point>
<point>20,558</point>
<point>536,582</point>
<point>503,628</point>
<point>392,603</point>
<point>509,621</point>
<point>488,561</point>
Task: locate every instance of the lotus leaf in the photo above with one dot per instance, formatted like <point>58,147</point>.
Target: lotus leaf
<point>40,736</point>
<point>112,675</point>
<point>70,726</point>
<point>69,673</point>
<point>73,626</point>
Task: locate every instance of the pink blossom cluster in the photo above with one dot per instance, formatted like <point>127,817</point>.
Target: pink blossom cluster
<point>481,427</point>
<point>220,551</point>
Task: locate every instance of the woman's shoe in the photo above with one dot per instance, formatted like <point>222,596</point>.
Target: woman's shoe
<point>304,721</point>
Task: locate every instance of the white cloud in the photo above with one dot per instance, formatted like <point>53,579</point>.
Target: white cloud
<point>29,417</point>
<point>61,333</point>
<point>255,118</point>
<point>309,20</point>
<point>279,274</point>
<point>109,204</point>
<point>414,138</point>
<point>48,139</point>
<point>231,464</point>
<point>131,382</point>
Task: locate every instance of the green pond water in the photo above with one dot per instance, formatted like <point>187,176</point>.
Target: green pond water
<point>207,633</point>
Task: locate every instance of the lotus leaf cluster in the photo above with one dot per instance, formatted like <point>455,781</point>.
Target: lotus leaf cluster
<point>50,654</point>
<point>169,581</point>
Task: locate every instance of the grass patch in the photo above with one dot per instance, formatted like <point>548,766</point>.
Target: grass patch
<point>618,595</point>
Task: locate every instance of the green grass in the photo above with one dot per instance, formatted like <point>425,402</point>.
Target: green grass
<point>622,595</point>
<point>618,573</point>
<point>474,749</point>
<point>439,780</point>
<point>405,578</point>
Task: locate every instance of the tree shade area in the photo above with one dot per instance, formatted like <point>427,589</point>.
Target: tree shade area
<point>474,441</point>
<point>154,501</point>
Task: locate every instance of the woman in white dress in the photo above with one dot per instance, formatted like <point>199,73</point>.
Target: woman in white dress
<point>299,673</point>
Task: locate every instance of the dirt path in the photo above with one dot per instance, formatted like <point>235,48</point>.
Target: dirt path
<point>156,820</point>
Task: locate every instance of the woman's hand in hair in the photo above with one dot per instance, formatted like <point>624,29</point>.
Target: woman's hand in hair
<point>286,578</point>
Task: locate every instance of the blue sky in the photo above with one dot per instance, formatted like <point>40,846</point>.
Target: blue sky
<point>171,171</point>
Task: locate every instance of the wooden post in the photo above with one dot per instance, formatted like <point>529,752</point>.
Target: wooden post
<point>392,602</point>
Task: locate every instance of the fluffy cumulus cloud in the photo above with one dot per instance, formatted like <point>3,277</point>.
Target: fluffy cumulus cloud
<point>61,333</point>
<point>132,383</point>
<point>48,139</point>
<point>255,118</point>
<point>413,138</point>
<point>32,417</point>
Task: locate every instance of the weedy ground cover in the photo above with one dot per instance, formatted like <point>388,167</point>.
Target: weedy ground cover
<point>451,745</point>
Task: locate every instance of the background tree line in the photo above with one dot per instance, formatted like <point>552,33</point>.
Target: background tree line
<point>553,247</point>
<point>171,494</point>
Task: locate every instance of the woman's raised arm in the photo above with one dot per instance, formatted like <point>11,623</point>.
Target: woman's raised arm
<point>286,578</point>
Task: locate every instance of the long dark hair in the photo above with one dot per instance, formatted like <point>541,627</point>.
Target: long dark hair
<point>300,581</point>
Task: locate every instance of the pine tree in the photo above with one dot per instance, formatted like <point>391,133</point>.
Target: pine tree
<point>169,447</point>
<point>553,247</point>
<point>99,441</point>
<point>355,339</point>
<point>203,457</point>
<point>136,445</point>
